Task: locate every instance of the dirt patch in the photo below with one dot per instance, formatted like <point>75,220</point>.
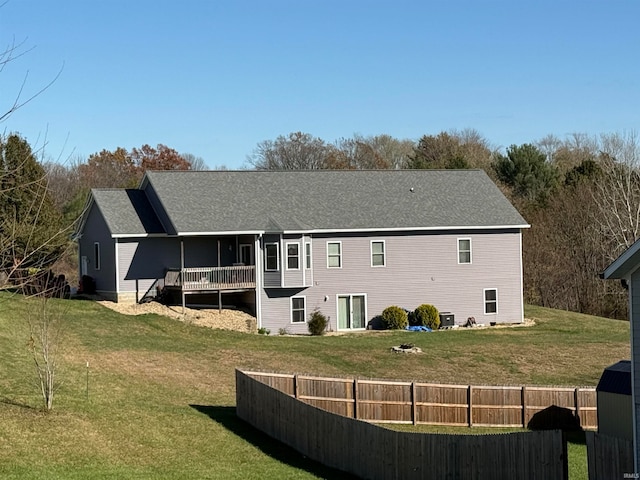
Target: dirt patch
<point>226,319</point>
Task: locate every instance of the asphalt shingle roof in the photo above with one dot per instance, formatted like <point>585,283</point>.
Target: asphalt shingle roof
<point>127,212</point>
<point>316,200</point>
<point>616,378</point>
<point>326,200</point>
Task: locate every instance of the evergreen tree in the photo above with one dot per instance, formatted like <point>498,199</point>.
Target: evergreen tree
<point>526,170</point>
<point>31,234</point>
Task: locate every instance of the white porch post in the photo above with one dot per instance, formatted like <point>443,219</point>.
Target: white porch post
<point>182,274</point>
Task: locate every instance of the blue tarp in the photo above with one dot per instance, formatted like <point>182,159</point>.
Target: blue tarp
<point>419,328</point>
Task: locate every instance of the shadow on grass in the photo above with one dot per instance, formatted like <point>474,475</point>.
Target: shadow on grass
<point>8,401</point>
<point>577,437</point>
<point>226,416</point>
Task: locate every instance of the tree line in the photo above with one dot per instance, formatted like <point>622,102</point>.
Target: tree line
<point>580,194</point>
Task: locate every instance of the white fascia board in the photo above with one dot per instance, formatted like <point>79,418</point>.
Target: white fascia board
<point>222,233</point>
<point>139,235</point>
<point>408,229</point>
<point>625,264</point>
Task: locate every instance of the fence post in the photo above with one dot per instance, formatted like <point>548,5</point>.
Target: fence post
<point>295,386</point>
<point>524,407</point>
<point>470,404</point>
<point>577,410</point>
<point>355,398</point>
<point>414,408</point>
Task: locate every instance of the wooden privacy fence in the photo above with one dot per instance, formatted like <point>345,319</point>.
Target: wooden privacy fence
<point>373,452</point>
<point>383,401</point>
<point>609,457</point>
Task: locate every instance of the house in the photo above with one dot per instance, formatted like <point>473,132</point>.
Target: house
<point>349,243</point>
<point>614,401</point>
<point>627,269</point>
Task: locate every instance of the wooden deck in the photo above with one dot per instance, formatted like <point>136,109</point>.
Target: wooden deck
<point>210,279</point>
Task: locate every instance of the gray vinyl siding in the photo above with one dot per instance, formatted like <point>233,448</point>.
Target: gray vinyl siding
<point>614,415</point>
<point>142,262</point>
<point>420,268</point>
<point>96,230</point>
<point>203,251</point>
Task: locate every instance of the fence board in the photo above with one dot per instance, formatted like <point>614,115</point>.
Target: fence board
<point>372,452</point>
<point>609,457</point>
<point>434,404</point>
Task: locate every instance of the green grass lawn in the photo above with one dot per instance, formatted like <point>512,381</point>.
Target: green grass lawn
<point>161,394</point>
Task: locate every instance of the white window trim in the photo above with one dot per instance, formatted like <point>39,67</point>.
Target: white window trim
<point>366,307</point>
<point>266,268</point>
<point>470,251</point>
<point>287,250</point>
<point>384,253</point>
<point>484,301</point>
<point>310,266</point>
<point>339,242</point>
<point>304,310</point>
<point>96,256</point>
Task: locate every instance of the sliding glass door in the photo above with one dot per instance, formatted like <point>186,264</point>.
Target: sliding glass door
<point>351,312</point>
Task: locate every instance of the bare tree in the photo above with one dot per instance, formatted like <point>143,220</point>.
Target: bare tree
<point>197,163</point>
<point>10,53</point>
<point>618,194</point>
<point>45,327</point>
<point>296,151</point>
<point>394,152</point>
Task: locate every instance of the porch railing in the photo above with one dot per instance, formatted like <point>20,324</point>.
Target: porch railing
<point>212,278</point>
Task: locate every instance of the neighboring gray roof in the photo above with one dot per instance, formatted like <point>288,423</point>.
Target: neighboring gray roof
<point>616,378</point>
<point>330,200</point>
<point>625,264</point>
<point>127,212</point>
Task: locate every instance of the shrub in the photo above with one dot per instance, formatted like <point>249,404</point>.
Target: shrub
<point>317,323</point>
<point>394,318</point>
<point>263,331</point>
<point>427,315</point>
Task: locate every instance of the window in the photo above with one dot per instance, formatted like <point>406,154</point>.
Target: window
<point>293,256</point>
<point>298,313</point>
<point>307,256</point>
<point>334,254</point>
<point>96,256</point>
<point>490,300</point>
<point>271,256</point>
<point>464,250</point>
<point>377,253</point>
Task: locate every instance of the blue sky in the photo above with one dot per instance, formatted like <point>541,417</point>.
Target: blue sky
<point>214,78</point>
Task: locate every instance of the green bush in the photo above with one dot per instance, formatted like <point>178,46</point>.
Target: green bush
<point>395,318</point>
<point>317,324</point>
<point>427,315</point>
